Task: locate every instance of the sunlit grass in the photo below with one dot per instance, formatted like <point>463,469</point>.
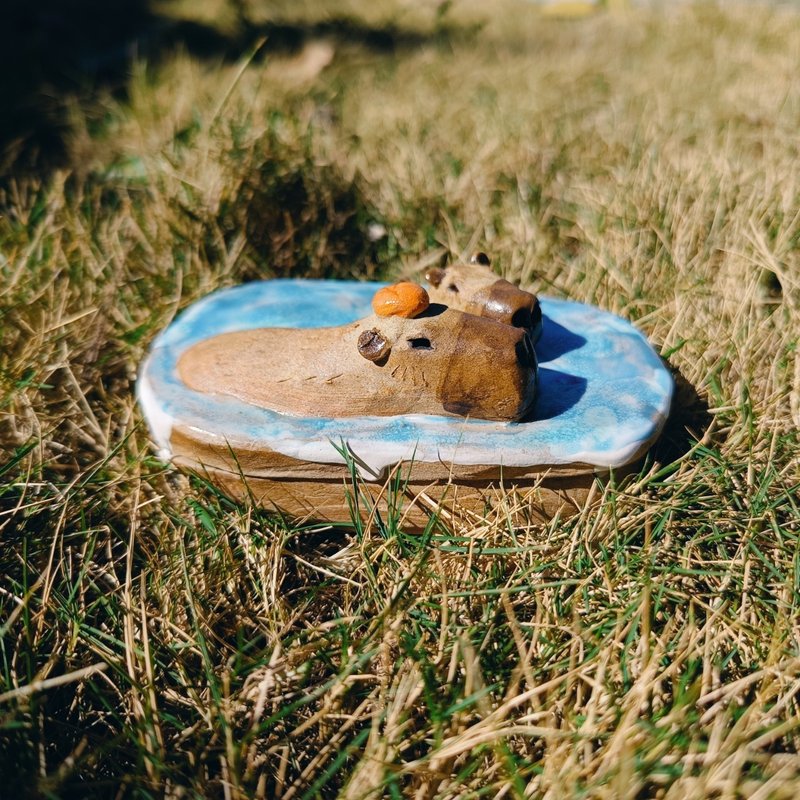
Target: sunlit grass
<point>157,639</point>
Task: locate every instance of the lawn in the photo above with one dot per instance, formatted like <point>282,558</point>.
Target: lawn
<point>159,640</point>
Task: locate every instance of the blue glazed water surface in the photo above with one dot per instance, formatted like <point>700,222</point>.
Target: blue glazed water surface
<point>604,393</point>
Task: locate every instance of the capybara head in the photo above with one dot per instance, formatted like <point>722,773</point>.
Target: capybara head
<point>475,288</point>
<point>461,363</point>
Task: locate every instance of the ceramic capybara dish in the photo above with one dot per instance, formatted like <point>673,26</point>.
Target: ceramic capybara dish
<point>276,390</point>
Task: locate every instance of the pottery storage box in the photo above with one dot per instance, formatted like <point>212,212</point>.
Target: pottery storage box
<point>603,398</point>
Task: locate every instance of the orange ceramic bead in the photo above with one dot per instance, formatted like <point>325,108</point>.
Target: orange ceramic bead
<point>404,299</point>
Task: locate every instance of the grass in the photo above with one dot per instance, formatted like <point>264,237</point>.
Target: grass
<point>158,640</point>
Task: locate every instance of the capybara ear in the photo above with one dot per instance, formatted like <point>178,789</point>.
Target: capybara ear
<point>434,276</point>
<point>373,346</point>
<point>480,258</point>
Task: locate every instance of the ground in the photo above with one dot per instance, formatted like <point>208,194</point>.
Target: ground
<point>158,640</point>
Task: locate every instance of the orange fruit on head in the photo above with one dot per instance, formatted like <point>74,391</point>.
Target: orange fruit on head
<point>403,299</point>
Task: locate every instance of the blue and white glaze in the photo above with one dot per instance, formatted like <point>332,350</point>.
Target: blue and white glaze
<point>604,393</point>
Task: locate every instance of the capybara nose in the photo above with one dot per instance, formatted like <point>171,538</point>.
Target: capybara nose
<point>524,306</point>
<point>526,355</point>
<point>506,303</point>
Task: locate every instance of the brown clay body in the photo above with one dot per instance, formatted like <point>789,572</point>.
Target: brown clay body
<point>476,289</point>
<point>441,362</point>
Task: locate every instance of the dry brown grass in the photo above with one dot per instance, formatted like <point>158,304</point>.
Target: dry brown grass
<point>158,640</point>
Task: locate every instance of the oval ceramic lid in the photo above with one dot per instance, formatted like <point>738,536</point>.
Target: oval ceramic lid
<point>604,393</point>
